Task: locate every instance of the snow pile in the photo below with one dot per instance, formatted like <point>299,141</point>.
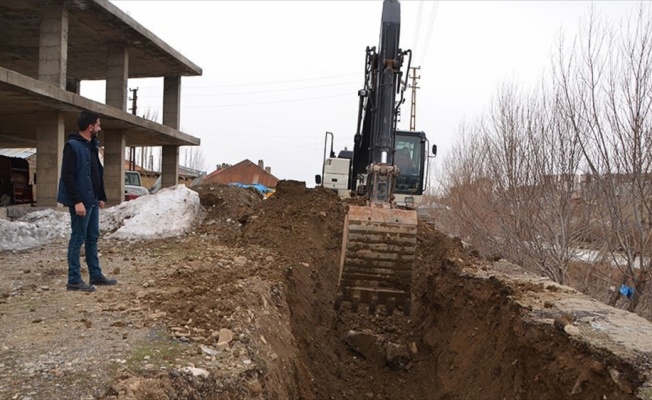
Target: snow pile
<point>34,229</point>
<point>170,212</point>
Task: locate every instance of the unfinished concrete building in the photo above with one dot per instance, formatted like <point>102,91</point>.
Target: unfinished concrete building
<point>48,47</point>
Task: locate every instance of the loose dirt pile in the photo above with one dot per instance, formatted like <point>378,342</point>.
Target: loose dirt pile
<point>243,308</point>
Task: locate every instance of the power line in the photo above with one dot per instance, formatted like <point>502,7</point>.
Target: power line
<point>431,23</point>
<point>416,33</point>
<point>268,102</point>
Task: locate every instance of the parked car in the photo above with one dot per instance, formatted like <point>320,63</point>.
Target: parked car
<point>133,186</point>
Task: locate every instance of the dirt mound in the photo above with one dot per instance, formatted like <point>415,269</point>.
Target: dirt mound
<point>296,222</point>
<point>227,208</point>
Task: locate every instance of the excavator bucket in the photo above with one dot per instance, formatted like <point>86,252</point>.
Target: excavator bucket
<point>378,251</point>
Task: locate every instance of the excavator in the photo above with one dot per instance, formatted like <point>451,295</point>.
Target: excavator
<point>379,238</point>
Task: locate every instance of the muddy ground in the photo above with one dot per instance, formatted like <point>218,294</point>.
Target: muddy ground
<point>242,308</point>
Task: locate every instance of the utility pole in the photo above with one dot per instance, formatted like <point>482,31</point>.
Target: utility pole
<point>413,107</point>
<point>134,101</point>
<point>132,149</point>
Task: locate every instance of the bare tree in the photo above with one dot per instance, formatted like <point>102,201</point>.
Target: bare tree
<point>511,181</point>
<point>606,84</point>
<point>193,157</point>
<point>147,154</point>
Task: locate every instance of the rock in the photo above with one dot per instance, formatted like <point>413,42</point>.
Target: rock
<point>240,260</point>
<point>572,330</point>
<point>367,344</point>
<point>562,321</point>
<point>397,355</point>
<point>255,388</point>
<point>196,371</point>
<point>209,351</point>
<point>157,314</point>
<point>226,336</point>
<point>116,271</point>
<point>620,380</point>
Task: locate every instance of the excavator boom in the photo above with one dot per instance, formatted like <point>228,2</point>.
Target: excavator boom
<point>379,240</point>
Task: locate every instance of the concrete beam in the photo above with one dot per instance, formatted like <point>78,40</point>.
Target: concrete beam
<point>117,76</point>
<point>114,166</point>
<point>50,139</point>
<point>169,166</point>
<point>19,93</point>
<point>53,45</point>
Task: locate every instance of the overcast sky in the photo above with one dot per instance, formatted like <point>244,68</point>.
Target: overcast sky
<point>278,75</point>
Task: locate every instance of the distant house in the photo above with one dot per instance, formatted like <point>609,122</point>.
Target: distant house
<point>245,172</point>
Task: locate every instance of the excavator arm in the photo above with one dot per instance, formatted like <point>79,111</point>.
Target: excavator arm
<point>379,240</point>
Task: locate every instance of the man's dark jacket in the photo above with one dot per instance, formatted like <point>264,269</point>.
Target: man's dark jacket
<point>82,174</point>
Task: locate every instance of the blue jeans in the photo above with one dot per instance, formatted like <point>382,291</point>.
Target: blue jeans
<point>85,230</point>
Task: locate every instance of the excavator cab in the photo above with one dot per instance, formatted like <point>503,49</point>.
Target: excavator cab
<point>410,156</point>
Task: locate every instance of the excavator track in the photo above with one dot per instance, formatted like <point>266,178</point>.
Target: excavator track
<point>378,252</point>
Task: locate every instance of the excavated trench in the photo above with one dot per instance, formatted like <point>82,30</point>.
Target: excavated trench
<point>469,336</point>
<point>466,339</point>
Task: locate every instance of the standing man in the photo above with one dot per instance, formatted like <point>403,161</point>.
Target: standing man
<point>81,188</point>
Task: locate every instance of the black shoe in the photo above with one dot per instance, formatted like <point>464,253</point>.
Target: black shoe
<point>104,281</point>
<point>80,286</point>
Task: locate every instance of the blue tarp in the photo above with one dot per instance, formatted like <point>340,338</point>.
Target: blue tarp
<point>627,291</point>
<point>262,189</point>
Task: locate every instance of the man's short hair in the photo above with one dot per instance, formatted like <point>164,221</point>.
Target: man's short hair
<point>86,118</point>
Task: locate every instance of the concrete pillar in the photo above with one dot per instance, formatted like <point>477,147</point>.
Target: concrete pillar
<point>169,166</point>
<point>117,76</point>
<point>53,45</point>
<point>114,167</point>
<point>171,113</point>
<point>50,138</point>
<point>172,101</point>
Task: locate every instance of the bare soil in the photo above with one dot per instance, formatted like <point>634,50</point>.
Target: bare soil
<point>242,308</point>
